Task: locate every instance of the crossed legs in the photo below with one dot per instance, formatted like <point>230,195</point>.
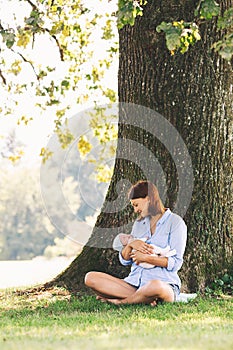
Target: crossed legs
<point>117,291</point>
<point>107,286</point>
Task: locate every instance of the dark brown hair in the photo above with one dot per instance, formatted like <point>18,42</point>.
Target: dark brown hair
<point>142,189</point>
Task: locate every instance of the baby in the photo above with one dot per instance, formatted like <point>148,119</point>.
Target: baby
<point>122,239</point>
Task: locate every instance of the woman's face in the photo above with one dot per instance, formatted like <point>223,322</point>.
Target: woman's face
<point>141,206</point>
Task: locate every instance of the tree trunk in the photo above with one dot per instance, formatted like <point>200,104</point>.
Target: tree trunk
<point>193,92</point>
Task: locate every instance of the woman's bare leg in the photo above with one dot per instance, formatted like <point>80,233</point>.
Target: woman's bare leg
<point>107,286</point>
<point>148,294</point>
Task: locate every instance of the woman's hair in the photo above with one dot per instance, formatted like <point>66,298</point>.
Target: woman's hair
<point>142,189</point>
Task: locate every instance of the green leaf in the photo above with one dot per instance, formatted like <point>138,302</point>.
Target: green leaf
<point>209,9</point>
<point>179,35</point>
<point>128,10</point>
<point>164,26</point>
<point>226,53</point>
<point>173,41</point>
<point>8,37</point>
<point>65,83</point>
<point>225,47</point>
<point>227,20</point>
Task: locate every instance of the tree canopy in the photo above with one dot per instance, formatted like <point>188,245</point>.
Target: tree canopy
<point>50,57</point>
<point>60,55</point>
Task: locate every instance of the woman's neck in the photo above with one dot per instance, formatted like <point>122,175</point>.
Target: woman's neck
<point>153,222</point>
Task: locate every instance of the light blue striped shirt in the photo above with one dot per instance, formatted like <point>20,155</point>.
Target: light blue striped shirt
<point>170,230</point>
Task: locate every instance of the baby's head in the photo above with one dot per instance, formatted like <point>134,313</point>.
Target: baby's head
<point>121,240</point>
<point>124,238</point>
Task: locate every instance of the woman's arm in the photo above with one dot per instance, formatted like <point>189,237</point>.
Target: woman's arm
<point>177,241</point>
<point>139,257</point>
<point>126,251</point>
<point>138,246</point>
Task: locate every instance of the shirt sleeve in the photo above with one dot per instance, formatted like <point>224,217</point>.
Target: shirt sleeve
<point>117,245</point>
<point>177,241</point>
<point>123,261</point>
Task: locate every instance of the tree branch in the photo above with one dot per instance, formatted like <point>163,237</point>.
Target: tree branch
<point>27,61</point>
<point>61,52</point>
<point>3,78</point>
<point>31,3</point>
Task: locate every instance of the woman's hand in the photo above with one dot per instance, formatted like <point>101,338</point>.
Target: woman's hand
<point>154,259</point>
<point>141,246</point>
<point>138,257</point>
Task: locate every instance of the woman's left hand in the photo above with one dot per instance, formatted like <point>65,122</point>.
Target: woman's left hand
<point>138,257</point>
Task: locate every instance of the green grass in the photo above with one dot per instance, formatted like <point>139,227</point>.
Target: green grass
<point>55,320</point>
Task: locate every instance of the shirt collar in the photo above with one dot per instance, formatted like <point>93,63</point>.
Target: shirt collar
<point>160,221</point>
<point>164,217</point>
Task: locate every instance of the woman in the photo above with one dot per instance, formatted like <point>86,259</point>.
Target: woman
<point>160,227</point>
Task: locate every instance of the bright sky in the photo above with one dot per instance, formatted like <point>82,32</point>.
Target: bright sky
<point>36,134</point>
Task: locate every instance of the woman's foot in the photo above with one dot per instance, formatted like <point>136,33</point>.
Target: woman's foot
<point>109,300</point>
<point>102,299</point>
<point>153,303</point>
<point>115,301</point>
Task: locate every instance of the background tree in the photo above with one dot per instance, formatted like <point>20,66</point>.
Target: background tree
<point>25,228</point>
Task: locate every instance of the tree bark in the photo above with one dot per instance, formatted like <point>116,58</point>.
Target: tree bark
<point>194,93</point>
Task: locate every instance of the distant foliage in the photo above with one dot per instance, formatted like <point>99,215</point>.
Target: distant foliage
<point>62,247</point>
<point>25,228</point>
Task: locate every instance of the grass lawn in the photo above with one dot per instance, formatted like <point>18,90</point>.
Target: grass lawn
<point>55,320</point>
